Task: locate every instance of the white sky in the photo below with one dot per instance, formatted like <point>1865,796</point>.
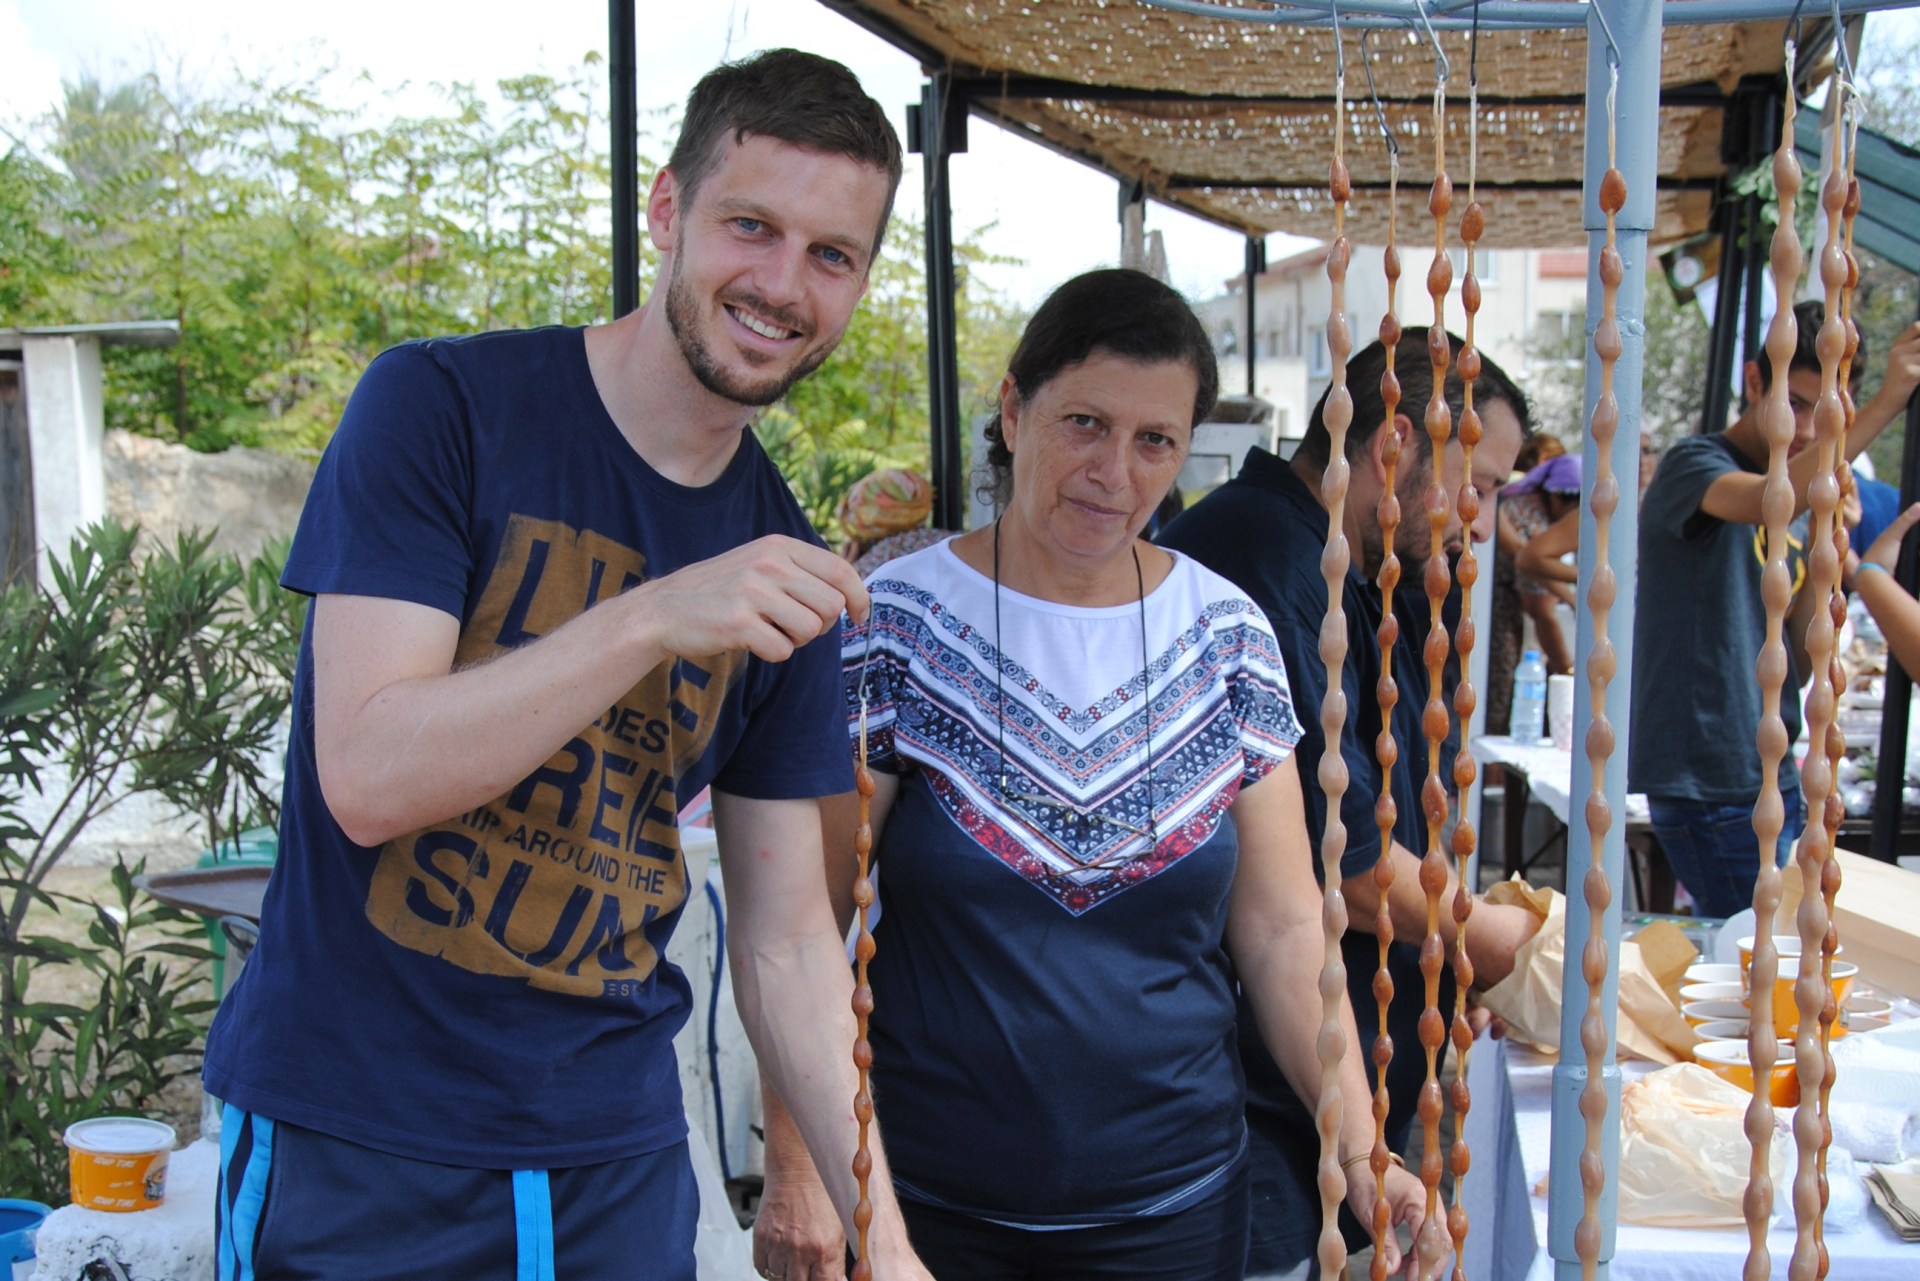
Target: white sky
<point>1059,216</point>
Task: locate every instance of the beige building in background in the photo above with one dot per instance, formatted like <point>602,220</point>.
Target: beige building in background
<point>1525,294</point>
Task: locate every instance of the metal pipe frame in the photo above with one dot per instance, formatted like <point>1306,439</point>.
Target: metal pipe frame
<point>1635,26</point>
<point>624,123</point>
<point>1512,15</point>
<point>933,134</point>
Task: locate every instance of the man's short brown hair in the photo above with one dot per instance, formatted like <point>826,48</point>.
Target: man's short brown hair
<point>797,98</point>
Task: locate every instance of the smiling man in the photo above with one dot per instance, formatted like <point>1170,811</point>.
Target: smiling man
<point>1264,530</point>
<point>558,590</point>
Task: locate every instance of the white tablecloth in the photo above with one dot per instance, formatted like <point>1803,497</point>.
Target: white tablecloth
<point>1510,1133</point>
<point>1549,773</point>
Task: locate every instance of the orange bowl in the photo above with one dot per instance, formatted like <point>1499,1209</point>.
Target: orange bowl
<point>1786,1011</point>
<point>1728,1061</point>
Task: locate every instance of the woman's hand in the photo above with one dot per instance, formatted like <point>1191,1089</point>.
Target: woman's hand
<point>1407,1204</point>
<point>796,1235</point>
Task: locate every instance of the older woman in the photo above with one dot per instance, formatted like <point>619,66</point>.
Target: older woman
<point>1087,840</point>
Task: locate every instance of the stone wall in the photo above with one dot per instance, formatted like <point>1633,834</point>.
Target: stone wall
<point>251,495</point>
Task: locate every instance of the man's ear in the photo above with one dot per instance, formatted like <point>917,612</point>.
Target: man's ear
<point>1750,379</point>
<point>1402,429</point>
<point>663,210</point>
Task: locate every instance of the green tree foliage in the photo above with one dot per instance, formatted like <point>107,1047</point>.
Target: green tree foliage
<point>293,239</point>
<point>1673,383</point>
<point>166,674</point>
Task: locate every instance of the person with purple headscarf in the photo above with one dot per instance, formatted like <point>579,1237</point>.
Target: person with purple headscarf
<point>1528,507</point>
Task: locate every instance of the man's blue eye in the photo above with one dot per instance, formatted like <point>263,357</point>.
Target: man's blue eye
<point>748,224</point>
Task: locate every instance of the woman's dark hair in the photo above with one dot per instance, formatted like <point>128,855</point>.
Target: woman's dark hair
<point>1117,311</point>
<point>797,98</point>
<point>1414,368</point>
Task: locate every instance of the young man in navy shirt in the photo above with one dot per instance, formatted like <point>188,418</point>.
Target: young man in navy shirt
<point>559,589</point>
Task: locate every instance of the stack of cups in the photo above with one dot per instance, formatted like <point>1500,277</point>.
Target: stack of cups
<point>1716,1001</point>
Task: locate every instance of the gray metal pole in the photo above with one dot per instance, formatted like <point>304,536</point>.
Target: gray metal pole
<point>1635,24</point>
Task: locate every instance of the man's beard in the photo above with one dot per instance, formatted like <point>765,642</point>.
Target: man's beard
<point>1412,540</point>
<point>683,320</point>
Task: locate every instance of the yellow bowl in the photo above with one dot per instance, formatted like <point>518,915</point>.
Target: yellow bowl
<point>1698,1012</point>
<point>1728,1061</point>
<point>1786,1012</point>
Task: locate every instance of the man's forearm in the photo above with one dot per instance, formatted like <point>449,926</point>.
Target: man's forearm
<point>1494,933</point>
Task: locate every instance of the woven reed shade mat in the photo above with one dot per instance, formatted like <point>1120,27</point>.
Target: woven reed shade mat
<point>1261,166</point>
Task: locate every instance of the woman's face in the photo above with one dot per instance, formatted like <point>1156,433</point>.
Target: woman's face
<point>1095,449</point>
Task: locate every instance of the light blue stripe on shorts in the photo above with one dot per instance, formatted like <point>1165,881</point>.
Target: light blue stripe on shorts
<point>533,1225</point>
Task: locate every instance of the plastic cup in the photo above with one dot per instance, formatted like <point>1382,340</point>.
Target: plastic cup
<point>119,1163</point>
<point>1560,711</point>
<point>1728,1061</point>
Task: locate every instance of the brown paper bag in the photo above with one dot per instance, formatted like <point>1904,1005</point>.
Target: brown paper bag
<point>1649,1027</point>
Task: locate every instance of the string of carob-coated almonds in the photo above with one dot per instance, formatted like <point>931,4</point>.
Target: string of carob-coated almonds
<point>1811,994</point>
<point>1836,738</point>
<point>1776,425</point>
<point>1329,1113</point>
<point>1434,721</point>
<point>1472,225</point>
<point>863,1008</point>
<point>1604,493</point>
<point>1385,750</point>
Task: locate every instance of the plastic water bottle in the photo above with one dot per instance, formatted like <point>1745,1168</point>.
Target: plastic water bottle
<point>1529,723</point>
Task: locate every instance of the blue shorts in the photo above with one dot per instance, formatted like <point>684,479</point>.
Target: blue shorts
<point>1713,851</point>
<point>295,1203</point>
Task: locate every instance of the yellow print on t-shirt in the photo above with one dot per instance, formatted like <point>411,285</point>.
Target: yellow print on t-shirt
<point>555,881</point>
<point>1796,556</point>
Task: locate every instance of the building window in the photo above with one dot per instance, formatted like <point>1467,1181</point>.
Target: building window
<point>1486,264</point>
<point>1319,361</point>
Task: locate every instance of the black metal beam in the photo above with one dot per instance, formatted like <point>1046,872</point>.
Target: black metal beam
<point>624,121</point>
<point>1890,776</point>
<point>936,131</point>
<point>1256,263</point>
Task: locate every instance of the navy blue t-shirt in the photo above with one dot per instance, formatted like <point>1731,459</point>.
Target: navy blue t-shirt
<point>490,990</point>
<point>1698,627</point>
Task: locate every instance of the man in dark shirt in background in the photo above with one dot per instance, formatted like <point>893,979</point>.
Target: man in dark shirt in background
<point>1265,530</point>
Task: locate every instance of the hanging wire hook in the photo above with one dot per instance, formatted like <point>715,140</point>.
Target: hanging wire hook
<point>1379,108</point>
<point>1339,51</point>
<point>1444,67</point>
<point>1793,29</point>
<point>1842,56</point>
<point>1473,49</point>
<point>1613,46</point>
